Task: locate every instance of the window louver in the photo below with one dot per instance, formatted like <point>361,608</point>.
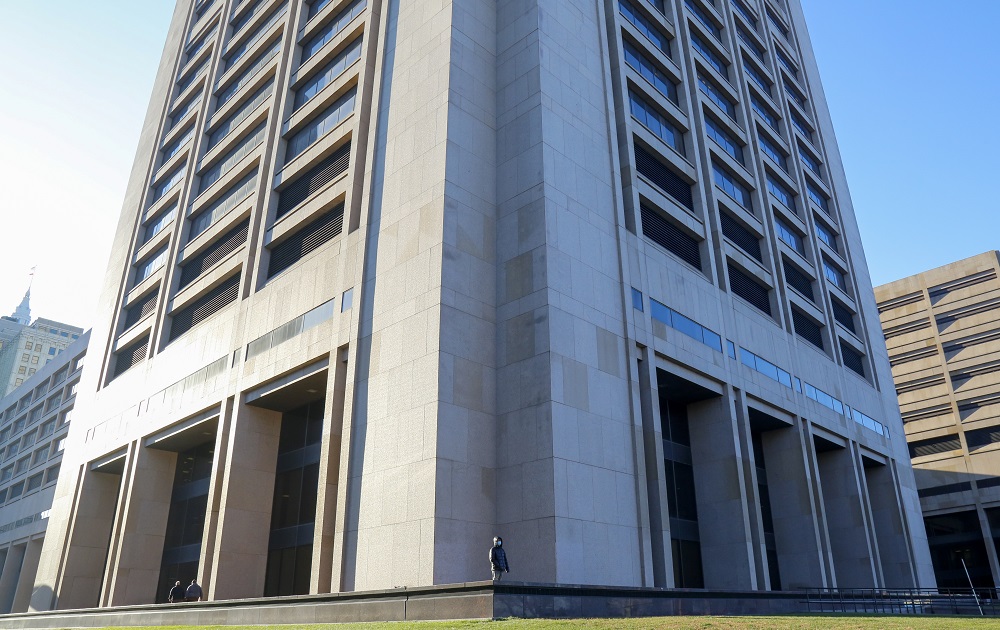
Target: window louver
<point>670,237</point>
<point>306,240</point>
<point>130,356</point>
<point>853,359</point>
<point>843,315</point>
<point>933,446</point>
<point>139,310</point>
<point>744,238</point>
<point>227,244</point>
<point>798,280</point>
<point>807,328</point>
<point>749,289</point>
<point>658,173</point>
<point>313,179</point>
<point>204,307</point>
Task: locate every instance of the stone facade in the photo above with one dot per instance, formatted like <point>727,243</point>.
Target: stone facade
<point>942,328</point>
<point>34,423</point>
<point>394,277</point>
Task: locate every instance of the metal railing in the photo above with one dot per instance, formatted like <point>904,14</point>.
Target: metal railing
<point>913,601</point>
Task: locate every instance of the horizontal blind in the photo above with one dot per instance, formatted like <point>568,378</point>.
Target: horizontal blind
<point>204,307</point>
<point>227,244</point>
<point>665,178</point>
<point>130,356</point>
<point>749,289</point>
<point>313,179</point>
<point>140,309</point>
<point>308,239</point>
<point>744,238</point>
<point>668,236</point>
<point>853,359</point>
<point>798,280</point>
<point>807,328</point>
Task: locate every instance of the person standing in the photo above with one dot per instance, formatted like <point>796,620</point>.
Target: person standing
<point>176,593</point>
<point>498,558</point>
<point>193,593</point>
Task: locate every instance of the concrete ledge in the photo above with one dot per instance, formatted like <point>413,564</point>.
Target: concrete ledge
<point>475,600</point>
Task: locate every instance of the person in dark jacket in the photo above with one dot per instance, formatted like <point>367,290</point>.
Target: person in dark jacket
<point>193,592</point>
<point>176,593</point>
<point>498,558</point>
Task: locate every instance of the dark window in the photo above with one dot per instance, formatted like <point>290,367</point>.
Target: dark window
<point>749,289</point>
<point>852,358</point>
<point>293,508</point>
<point>797,279</point>
<point>737,233</point>
<point>806,328</point>
<point>933,446</point>
<point>144,306</point>
<point>130,356</point>
<point>766,515</point>
<point>306,240</point>
<point>670,237</point>
<point>204,307</point>
<point>186,520</point>
<point>844,316</point>
<point>214,253</point>
<point>681,501</point>
<point>954,538</point>
<point>313,179</point>
<point>982,437</point>
<point>663,176</point>
<point>937,491</point>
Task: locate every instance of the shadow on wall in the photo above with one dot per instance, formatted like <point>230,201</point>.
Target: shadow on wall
<point>959,537</point>
<point>42,598</point>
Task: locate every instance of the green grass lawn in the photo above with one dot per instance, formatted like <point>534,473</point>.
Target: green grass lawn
<point>671,623</point>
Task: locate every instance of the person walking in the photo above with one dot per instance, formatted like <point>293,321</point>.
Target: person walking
<point>498,558</point>
<point>176,593</point>
<point>193,592</point>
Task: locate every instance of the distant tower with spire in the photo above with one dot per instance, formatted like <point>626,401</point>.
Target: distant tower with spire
<point>23,311</point>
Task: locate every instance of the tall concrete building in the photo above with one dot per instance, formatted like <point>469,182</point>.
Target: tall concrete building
<point>942,328</point>
<point>34,423</point>
<point>394,277</point>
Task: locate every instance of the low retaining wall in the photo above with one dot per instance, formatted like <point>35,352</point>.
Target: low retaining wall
<point>476,600</point>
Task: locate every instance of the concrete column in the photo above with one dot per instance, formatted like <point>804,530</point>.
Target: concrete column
<point>651,477</point>
<point>892,538</point>
<point>329,475</point>
<point>3,557</point>
<point>206,559</point>
<point>134,570</point>
<point>850,545</point>
<point>754,505</point>
<point>9,576</point>
<point>244,521</point>
<point>26,583</point>
<point>79,583</point>
<point>797,534</point>
<point>723,517</point>
<point>991,550</point>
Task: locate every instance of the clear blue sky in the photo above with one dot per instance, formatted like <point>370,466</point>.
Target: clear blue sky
<point>912,88</point>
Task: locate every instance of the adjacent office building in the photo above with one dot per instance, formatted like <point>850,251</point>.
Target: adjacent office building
<point>34,422</point>
<point>394,277</point>
<point>942,328</point>
<point>26,347</point>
